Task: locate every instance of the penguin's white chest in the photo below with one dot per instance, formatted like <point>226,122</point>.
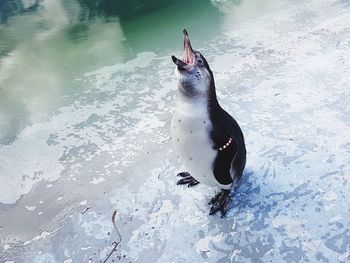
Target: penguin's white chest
<point>190,133</point>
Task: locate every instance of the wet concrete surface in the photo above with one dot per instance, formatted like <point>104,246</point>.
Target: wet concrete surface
<point>284,76</point>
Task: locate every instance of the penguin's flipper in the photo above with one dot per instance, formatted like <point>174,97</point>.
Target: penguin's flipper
<point>223,163</point>
<point>187,179</point>
<point>220,203</point>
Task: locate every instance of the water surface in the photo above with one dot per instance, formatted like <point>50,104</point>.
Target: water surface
<point>46,45</point>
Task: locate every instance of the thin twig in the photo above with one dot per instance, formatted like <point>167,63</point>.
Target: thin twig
<point>119,236</point>
<point>85,210</point>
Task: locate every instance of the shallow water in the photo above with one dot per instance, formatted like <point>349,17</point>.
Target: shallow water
<point>46,46</point>
<point>86,94</point>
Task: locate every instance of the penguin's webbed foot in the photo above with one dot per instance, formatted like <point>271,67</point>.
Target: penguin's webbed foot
<point>187,179</point>
<point>220,203</point>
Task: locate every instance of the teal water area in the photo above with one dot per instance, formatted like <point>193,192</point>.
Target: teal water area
<point>46,45</point>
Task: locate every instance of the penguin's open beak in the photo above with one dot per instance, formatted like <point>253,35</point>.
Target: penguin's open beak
<point>188,56</point>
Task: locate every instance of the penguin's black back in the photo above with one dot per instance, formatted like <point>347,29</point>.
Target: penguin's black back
<point>224,127</point>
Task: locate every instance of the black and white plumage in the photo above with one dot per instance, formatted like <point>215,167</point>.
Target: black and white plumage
<point>208,140</point>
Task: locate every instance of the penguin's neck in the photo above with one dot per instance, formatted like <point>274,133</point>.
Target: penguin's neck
<point>213,102</point>
<point>192,106</point>
<point>203,103</point>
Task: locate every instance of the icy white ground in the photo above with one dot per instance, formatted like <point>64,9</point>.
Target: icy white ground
<point>285,77</point>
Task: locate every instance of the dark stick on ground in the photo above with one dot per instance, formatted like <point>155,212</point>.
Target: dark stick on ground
<point>119,237</point>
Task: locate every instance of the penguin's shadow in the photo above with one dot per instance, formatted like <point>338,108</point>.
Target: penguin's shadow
<point>245,198</point>
<point>248,197</point>
<point>247,191</point>
<point>250,201</point>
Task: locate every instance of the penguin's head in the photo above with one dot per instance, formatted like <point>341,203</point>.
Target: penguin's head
<point>194,75</point>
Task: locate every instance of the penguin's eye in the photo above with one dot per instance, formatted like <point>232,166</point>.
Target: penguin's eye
<point>200,61</point>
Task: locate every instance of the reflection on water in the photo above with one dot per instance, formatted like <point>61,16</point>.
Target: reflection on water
<point>46,45</point>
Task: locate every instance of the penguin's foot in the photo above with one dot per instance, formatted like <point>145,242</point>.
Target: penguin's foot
<point>220,203</point>
<point>187,179</point>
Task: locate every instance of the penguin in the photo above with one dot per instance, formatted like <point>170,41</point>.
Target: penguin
<point>208,140</point>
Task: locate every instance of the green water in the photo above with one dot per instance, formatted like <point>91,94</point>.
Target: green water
<point>46,45</point>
